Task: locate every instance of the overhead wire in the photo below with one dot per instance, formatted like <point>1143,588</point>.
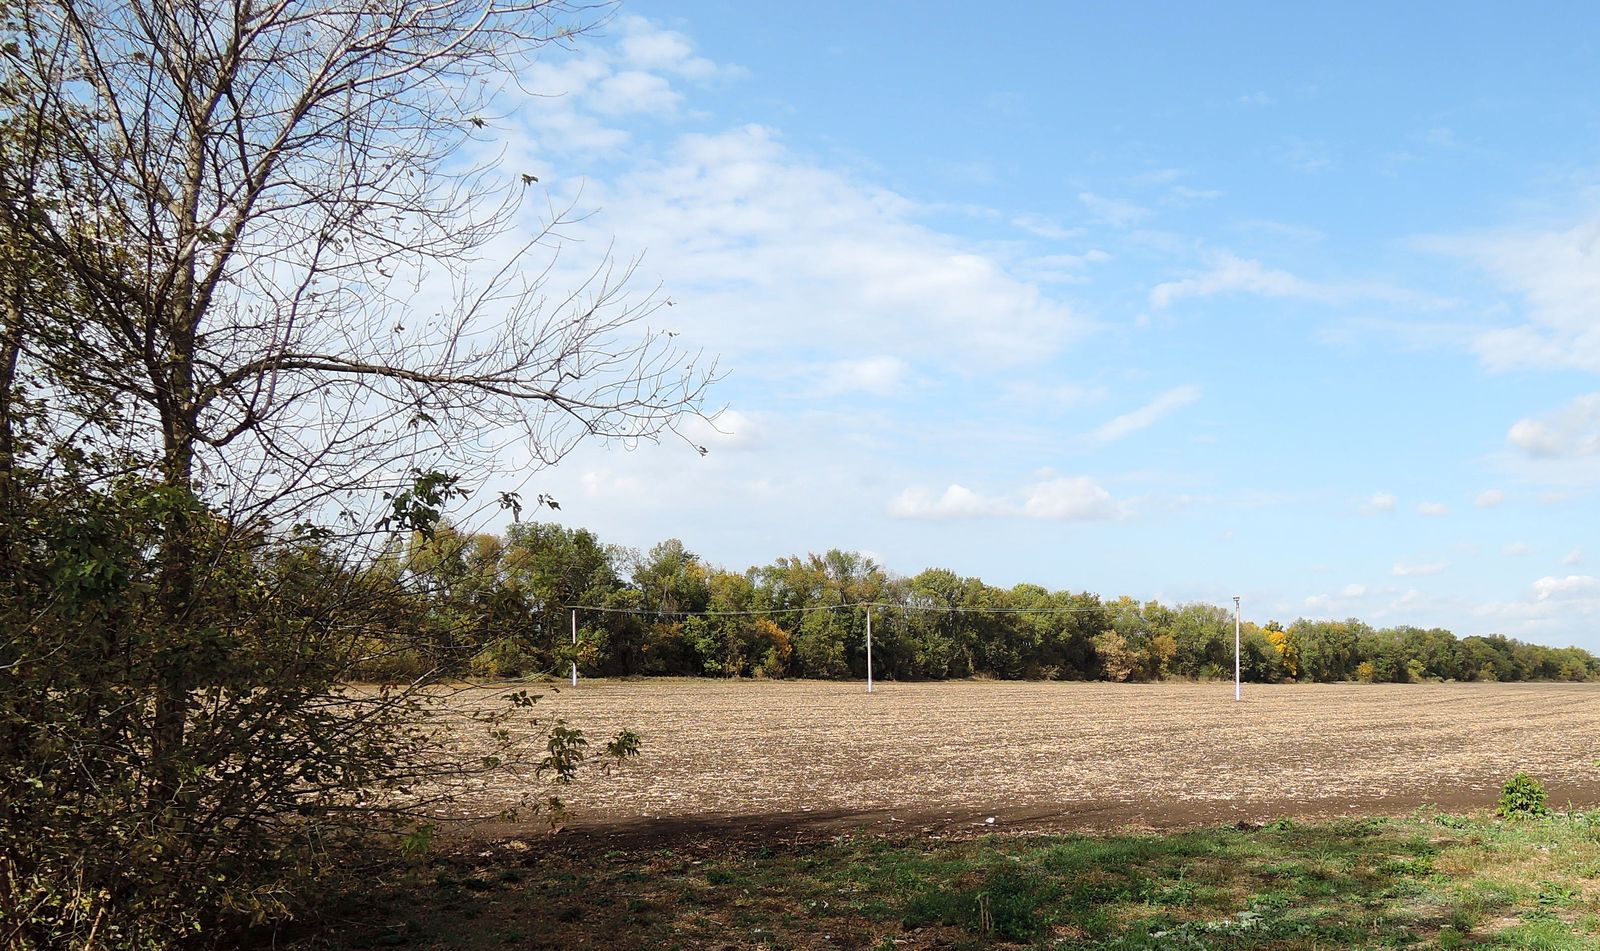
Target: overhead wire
<point>885,605</point>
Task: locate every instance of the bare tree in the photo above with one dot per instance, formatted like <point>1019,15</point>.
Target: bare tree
<point>293,298</point>
<point>272,220</point>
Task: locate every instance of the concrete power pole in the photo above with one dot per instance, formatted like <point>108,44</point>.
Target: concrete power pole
<point>1235,648</point>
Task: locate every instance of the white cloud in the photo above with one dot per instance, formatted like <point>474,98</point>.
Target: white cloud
<point>1041,227</point>
<point>1076,498</point>
<point>957,501</point>
<point>1557,275</point>
<point>879,376</point>
<point>1072,499</point>
<point>1572,557</point>
<point>557,126</point>
<point>1555,606</point>
<point>574,95</point>
<point>1417,570</point>
<point>1441,136</point>
<point>1333,604</point>
<point>647,46</point>
<point>729,430</point>
<point>737,225</point>
<point>1569,432</point>
<point>1054,396</point>
<point>1092,256</point>
<point>1062,268</point>
<point>634,91</point>
<point>1518,549</point>
<point>605,483</point>
<point>1256,98</point>
<point>1381,503</point>
<point>1159,176</point>
<point>574,99</point>
<point>1113,211</point>
<point>1571,586</point>
<point>1489,498</point>
<point>1544,619</point>
<point>1147,415</point>
<point>1303,155</point>
<point>1281,230</point>
<point>1433,509</point>
<point>1229,273</point>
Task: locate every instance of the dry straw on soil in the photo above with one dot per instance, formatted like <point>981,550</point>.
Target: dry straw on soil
<point>1068,754</point>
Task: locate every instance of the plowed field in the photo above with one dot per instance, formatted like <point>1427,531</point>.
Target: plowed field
<point>820,755</point>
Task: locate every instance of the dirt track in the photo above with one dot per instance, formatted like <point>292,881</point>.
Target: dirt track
<point>762,757</point>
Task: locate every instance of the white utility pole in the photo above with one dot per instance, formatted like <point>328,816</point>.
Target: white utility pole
<point>574,647</point>
<point>869,650</point>
<point>1235,648</point>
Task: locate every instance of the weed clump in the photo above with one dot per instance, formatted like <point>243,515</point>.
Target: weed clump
<point>1522,797</point>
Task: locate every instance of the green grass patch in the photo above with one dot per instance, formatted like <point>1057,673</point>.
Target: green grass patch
<point>1422,882</point>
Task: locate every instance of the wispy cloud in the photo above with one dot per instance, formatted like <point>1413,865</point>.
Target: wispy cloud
<point>647,45</point>
<point>1433,509</point>
<point>1076,498</point>
<point>634,91</point>
<point>1417,569</point>
<point>1042,227</point>
<point>1344,601</point>
<point>1230,274</point>
<point>1569,432</point>
<point>1489,498</point>
<point>727,431</point>
<point>1147,415</point>
<point>1553,602</point>
<point>1381,503</point>
<point>1557,275</point>
<point>1196,194</point>
<point>1062,268</point>
<point>742,224</point>
<point>1281,230</point>
<point>880,376</point>
<point>1158,176</point>
<point>1303,155</point>
<point>1113,211</point>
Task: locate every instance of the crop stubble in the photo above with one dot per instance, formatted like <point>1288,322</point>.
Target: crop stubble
<point>1064,755</point>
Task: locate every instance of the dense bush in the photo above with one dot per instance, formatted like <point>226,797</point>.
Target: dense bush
<point>117,830</point>
<point>1522,797</point>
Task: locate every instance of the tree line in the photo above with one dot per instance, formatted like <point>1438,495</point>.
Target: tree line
<point>489,605</point>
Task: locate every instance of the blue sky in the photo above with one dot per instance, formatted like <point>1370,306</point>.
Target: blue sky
<point>1179,302</point>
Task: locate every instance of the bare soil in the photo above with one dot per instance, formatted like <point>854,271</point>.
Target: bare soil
<point>766,759</point>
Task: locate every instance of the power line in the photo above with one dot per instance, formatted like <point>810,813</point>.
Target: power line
<point>882,605</point>
<point>652,612</point>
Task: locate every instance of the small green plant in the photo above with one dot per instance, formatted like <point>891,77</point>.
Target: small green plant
<point>1522,797</point>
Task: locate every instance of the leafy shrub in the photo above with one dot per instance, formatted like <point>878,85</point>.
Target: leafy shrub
<point>1522,797</point>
